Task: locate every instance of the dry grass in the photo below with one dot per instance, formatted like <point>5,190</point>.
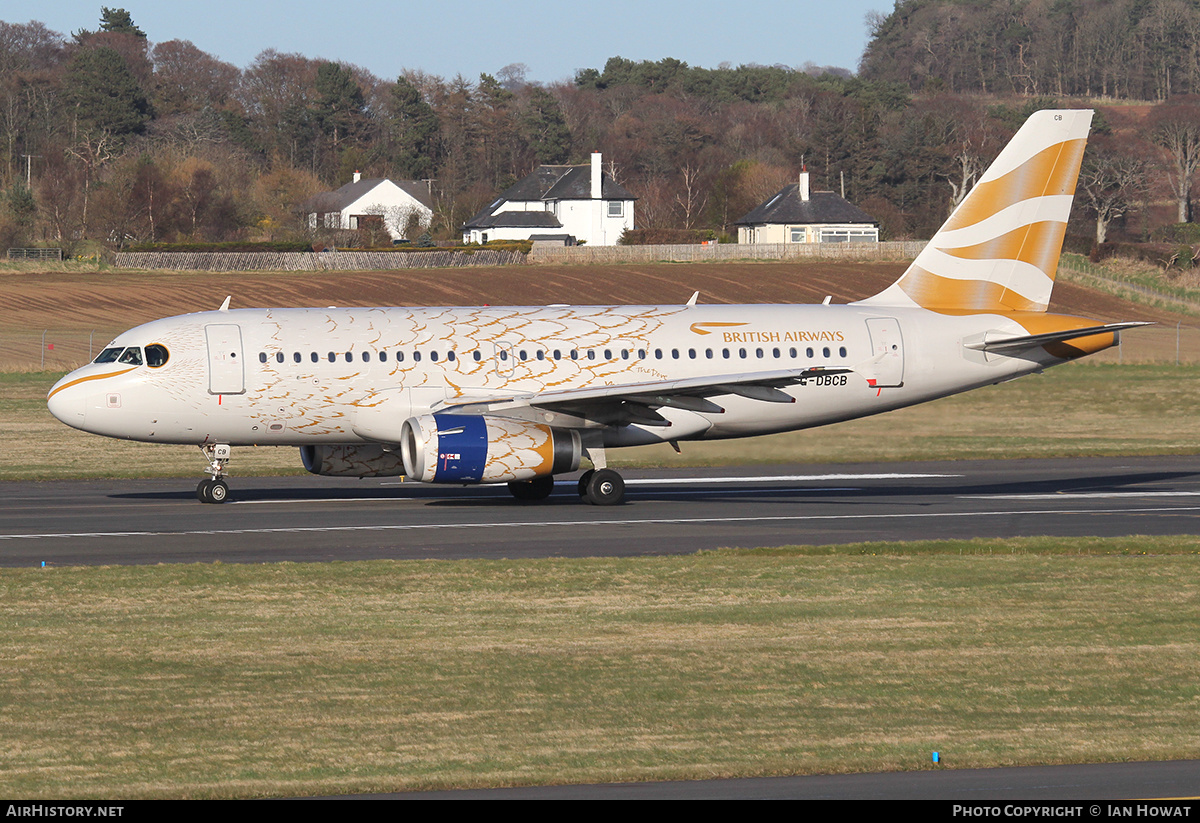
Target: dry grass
<point>176,681</point>
<point>1076,410</point>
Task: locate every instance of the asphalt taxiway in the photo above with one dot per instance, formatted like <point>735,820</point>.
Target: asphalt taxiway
<point>668,511</point>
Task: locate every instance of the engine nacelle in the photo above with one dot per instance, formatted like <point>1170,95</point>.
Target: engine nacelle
<point>459,448</point>
<point>352,461</point>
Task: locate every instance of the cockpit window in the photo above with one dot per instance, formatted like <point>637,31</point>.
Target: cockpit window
<point>132,356</point>
<point>109,355</point>
<point>156,355</point>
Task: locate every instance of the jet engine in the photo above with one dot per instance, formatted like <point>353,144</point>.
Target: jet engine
<point>352,461</point>
<point>459,448</point>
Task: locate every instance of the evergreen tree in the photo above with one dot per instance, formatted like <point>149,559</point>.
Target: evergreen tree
<point>119,21</point>
<point>103,94</point>
<point>415,126</point>
<point>546,129</point>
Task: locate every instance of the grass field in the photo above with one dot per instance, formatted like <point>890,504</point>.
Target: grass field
<point>288,679</point>
<point>1073,410</point>
<point>292,679</point>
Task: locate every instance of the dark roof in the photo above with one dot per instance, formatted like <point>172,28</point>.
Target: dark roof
<point>563,183</point>
<point>550,183</point>
<point>514,219</point>
<point>820,207</point>
<point>331,201</point>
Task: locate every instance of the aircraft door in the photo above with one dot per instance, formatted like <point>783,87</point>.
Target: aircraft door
<point>887,351</point>
<point>226,374</point>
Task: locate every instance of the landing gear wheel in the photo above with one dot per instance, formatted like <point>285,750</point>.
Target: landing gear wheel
<point>605,488</point>
<point>218,491</point>
<point>583,482</point>
<point>212,491</point>
<point>530,491</point>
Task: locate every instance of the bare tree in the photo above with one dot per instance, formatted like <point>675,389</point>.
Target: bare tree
<point>1114,178</point>
<point>1175,128</point>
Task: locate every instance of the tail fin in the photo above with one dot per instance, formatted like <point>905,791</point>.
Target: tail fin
<point>999,249</point>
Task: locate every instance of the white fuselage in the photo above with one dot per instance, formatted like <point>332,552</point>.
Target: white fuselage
<point>347,376</point>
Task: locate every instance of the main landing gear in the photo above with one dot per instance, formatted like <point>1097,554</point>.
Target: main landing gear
<point>214,489</point>
<point>600,487</point>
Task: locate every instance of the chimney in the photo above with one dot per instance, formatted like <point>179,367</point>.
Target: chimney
<point>596,175</point>
<point>358,176</point>
<point>804,185</point>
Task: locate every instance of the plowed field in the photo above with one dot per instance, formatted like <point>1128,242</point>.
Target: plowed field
<point>83,311</point>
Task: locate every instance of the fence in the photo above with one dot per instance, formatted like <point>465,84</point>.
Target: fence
<point>895,250</point>
<point>313,261</point>
<point>63,349</point>
<point>52,349</point>
<point>35,254</point>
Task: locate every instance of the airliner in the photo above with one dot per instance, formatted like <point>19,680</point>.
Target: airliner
<point>519,395</point>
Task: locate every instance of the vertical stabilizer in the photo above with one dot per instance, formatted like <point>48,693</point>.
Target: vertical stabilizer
<point>999,250</point>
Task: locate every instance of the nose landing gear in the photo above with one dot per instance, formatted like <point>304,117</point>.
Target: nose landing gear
<point>214,489</point>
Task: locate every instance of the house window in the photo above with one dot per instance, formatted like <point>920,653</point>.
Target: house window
<point>798,234</point>
<point>616,208</point>
<point>850,235</point>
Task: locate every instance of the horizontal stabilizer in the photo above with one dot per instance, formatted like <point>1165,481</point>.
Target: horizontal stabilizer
<point>1031,340</point>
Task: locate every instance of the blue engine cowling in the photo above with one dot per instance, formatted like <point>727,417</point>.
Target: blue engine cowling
<point>459,448</point>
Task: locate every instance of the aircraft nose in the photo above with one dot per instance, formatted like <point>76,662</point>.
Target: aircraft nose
<point>67,402</point>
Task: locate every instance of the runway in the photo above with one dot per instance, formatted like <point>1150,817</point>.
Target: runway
<point>668,512</point>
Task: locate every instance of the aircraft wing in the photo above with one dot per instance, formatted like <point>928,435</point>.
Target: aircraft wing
<point>636,402</point>
<point>1030,340</point>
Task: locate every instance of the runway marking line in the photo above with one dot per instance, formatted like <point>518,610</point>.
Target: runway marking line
<point>593,523</point>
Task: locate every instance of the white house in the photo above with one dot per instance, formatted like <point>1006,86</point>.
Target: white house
<point>398,205</point>
<point>798,215</point>
<point>565,203</point>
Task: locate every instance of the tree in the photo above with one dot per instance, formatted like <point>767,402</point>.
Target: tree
<point>1113,179</point>
<point>414,126</point>
<point>102,94</point>
<point>545,129</point>
<point>119,21</point>
<point>339,103</point>
<point>1175,128</point>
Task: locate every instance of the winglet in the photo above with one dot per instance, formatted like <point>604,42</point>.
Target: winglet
<point>692,302</point>
<point>225,305</point>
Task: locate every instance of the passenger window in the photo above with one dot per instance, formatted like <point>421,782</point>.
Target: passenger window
<point>332,357</point>
<point>477,356</point>
<point>842,351</point>
<point>156,355</point>
<point>433,356</point>
<point>349,357</point>
<point>825,351</point>
<point>591,355</point>
<point>262,357</point>
<point>808,352</point>
<point>296,356</point>
<point>450,355</point>
<point>278,357</point>
<point>742,353</point>
<point>383,357</point>
<point>417,356</point>
<point>758,353</point>
<point>366,356</point>
<point>725,353</point>
<point>315,357</point>
<point>776,352</point>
